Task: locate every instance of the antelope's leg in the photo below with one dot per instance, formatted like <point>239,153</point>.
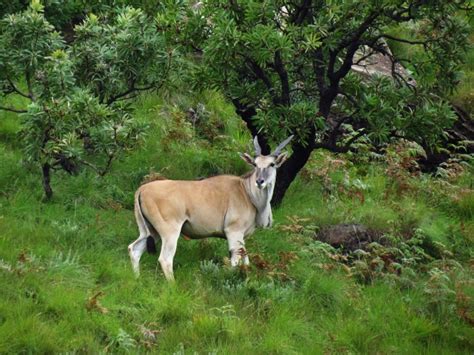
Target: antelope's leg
<point>237,248</point>
<point>169,242</point>
<point>135,250</point>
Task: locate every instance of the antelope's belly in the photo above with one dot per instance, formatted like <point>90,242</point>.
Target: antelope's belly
<point>198,231</point>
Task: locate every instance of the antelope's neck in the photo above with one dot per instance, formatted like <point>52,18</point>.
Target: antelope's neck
<point>260,198</point>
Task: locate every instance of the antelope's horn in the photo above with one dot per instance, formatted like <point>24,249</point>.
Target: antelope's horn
<point>282,145</point>
<point>258,150</point>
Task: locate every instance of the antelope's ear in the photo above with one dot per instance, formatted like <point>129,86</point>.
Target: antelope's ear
<point>280,159</point>
<point>247,158</point>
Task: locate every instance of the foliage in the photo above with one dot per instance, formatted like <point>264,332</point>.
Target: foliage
<point>64,14</point>
<point>402,162</point>
<point>251,56</point>
<point>136,61</point>
<point>75,114</point>
<point>386,111</point>
<point>286,66</point>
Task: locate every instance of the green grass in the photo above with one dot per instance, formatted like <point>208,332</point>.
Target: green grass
<point>54,257</point>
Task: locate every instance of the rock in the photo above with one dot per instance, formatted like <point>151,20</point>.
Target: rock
<point>369,63</point>
<point>348,236</point>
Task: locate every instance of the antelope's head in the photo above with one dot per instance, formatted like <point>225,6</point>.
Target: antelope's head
<point>266,165</point>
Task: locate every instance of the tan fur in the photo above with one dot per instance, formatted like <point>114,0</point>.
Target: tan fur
<point>203,208</point>
<point>220,206</point>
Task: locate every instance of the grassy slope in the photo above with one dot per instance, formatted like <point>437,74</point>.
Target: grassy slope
<point>54,257</point>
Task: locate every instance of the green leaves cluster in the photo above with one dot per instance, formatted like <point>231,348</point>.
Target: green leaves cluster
<point>75,130</point>
<point>285,65</point>
<point>120,58</point>
<point>386,110</point>
<point>27,40</point>
<point>76,113</point>
<point>288,61</point>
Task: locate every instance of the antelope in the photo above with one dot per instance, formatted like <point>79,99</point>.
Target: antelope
<point>224,206</point>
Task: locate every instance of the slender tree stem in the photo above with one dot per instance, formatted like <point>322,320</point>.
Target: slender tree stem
<point>48,191</point>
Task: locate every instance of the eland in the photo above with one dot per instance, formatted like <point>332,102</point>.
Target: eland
<point>224,206</point>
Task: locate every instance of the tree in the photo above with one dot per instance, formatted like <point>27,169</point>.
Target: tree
<point>286,67</point>
<point>77,114</point>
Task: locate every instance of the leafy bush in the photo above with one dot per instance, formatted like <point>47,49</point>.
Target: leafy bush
<point>76,116</point>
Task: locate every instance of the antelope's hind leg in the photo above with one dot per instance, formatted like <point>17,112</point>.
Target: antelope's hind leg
<point>136,250</point>
<point>138,247</point>
<point>169,242</point>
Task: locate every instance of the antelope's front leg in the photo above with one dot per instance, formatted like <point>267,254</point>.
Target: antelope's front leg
<point>237,250</point>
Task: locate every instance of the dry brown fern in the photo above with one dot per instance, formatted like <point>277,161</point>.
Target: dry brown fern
<point>153,176</point>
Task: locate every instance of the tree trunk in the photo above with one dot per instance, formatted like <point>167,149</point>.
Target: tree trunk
<point>289,170</point>
<point>461,131</point>
<point>247,114</point>
<point>48,191</point>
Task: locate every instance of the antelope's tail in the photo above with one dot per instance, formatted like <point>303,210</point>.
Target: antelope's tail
<point>144,225</point>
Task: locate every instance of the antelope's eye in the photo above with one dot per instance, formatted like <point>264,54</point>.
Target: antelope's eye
<point>272,164</point>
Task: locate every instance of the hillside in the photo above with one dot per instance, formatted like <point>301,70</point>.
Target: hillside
<point>67,284</point>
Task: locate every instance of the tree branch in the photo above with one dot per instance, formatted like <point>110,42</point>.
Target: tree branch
<point>246,114</point>
<point>15,89</point>
<point>404,14</point>
<point>11,109</point>
<point>106,169</point>
<point>285,86</point>
<point>31,95</point>
<point>364,57</point>
<point>394,61</point>
<point>319,70</point>
<point>260,74</point>
<point>301,12</point>
<point>111,100</point>
<point>133,88</point>
<point>403,40</point>
<point>90,165</point>
<point>352,43</point>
